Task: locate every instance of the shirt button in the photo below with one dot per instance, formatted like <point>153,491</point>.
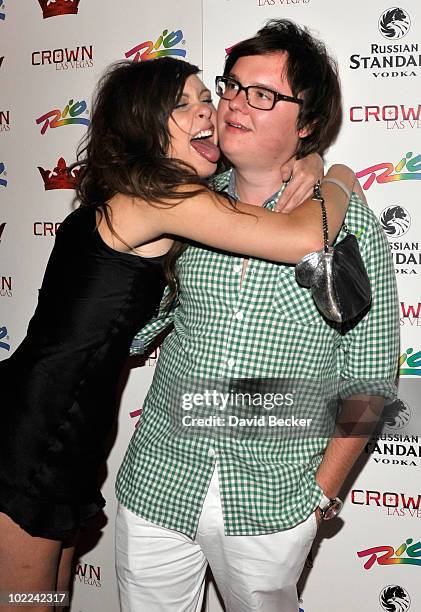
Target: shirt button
<point>231,362</point>
<point>239,315</point>
<point>238,268</point>
<point>211,452</point>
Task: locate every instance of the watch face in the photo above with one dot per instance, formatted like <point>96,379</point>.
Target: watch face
<point>333,509</point>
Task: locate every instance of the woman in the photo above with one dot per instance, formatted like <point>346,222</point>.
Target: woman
<point>151,143</point>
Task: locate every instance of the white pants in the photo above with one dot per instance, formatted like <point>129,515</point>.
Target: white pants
<point>160,570</point>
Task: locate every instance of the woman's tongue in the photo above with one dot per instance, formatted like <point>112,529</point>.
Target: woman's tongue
<point>207,149</point>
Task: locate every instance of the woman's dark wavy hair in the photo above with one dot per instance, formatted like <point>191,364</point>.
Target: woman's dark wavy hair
<point>127,142</point>
<point>312,75</point>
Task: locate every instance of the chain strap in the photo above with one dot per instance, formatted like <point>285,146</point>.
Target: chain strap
<point>317,195</point>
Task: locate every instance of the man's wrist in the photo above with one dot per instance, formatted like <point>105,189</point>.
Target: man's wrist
<point>326,488</point>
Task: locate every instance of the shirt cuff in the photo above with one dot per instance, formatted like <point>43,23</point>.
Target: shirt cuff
<point>383,388</point>
<point>137,346</point>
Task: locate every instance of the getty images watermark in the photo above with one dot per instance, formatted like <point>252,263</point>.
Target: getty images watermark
<point>234,400</point>
<point>274,408</point>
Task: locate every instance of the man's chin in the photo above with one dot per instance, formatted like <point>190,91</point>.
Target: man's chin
<point>233,150</point>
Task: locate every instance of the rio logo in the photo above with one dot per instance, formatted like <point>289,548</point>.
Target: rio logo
<point>4,339</point>
<point>391,556</point>
<point>388,172</point>
<point>410,363</point>
<point>149,50</point>
<point>70,115</point>
<point>136,414</point>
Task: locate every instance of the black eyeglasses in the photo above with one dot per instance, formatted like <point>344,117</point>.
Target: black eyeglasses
<point>257,97</point>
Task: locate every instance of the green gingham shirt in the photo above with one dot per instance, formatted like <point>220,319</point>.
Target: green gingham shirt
<point>268,328</point>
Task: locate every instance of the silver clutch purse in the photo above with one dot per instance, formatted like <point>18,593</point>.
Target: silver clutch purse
<point>336,275</point>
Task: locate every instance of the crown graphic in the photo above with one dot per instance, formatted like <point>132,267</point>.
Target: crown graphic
<point>60,177</point>
<point>52,8</point>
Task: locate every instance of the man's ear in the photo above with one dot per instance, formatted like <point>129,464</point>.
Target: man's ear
<point>307,130</point>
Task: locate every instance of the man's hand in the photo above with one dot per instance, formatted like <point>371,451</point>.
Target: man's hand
<point>302,175</point>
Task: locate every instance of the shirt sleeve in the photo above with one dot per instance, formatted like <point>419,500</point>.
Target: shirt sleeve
<point>370,351</point>
<point>155,326</point>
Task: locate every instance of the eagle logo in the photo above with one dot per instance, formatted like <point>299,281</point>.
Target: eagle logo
<point>394,23</point>
<point>396,415</point>
<point>395,221</point>
<point>394,598</point>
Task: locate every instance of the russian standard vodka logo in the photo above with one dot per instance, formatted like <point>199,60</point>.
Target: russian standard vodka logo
<point>394,23</point>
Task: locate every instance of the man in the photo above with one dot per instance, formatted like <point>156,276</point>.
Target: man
<point>249,504</point>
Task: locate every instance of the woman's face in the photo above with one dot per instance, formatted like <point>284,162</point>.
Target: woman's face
<point>192,128</point>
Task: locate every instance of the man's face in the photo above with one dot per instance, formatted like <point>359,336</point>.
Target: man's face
<point>253,138</point>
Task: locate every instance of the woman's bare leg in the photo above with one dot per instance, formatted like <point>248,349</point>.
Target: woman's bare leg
<point>27,563</point>
<point>65,572</point>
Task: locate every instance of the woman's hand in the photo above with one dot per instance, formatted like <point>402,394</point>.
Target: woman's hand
<point>304,173</point>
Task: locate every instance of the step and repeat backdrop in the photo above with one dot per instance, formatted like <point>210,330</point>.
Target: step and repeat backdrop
<point>51,55</point>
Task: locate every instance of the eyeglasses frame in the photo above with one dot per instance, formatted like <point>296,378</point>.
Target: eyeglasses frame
<point>278,96</point>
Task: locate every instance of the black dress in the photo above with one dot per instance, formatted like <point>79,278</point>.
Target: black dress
<point>58,400</point>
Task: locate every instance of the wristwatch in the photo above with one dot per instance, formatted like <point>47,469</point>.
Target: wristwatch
<point>330,507</point>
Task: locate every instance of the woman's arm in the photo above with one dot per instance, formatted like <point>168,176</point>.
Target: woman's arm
<point>211,220</point>
<point>208,219</point>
